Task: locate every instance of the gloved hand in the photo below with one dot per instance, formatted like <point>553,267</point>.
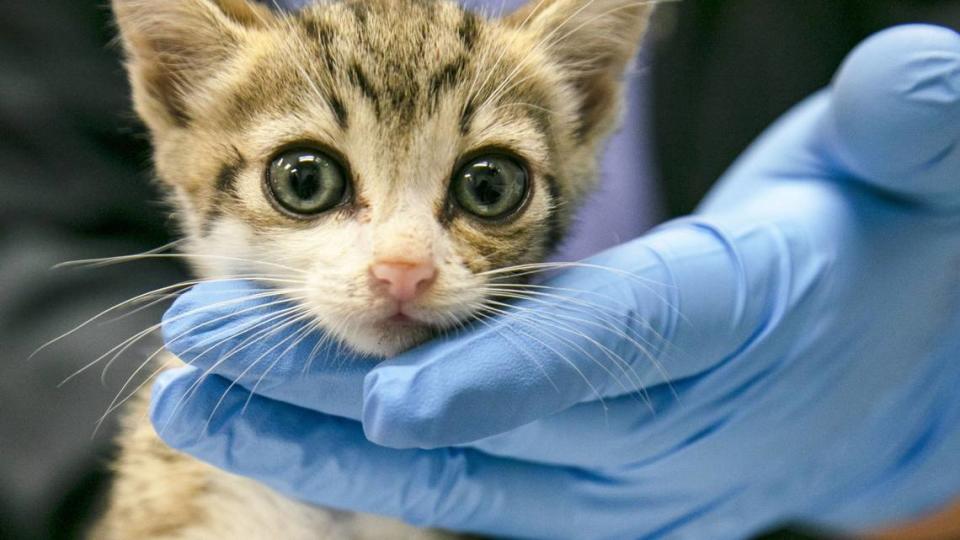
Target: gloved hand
<point>790,352</point>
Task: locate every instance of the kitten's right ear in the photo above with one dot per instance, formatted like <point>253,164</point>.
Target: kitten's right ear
<point>593,41</point>
<point>171,45</point>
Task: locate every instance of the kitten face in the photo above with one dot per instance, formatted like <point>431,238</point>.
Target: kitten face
<point>377,157</point>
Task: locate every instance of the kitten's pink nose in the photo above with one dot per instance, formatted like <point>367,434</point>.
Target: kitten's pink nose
<point>404,280</point>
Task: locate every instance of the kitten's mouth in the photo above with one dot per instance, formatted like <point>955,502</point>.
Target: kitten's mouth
<point>401,318</point>
<point>393,327</point>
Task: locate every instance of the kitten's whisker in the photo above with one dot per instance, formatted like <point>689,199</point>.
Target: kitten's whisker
<point>264,334</point>
<point>129,258</point>
<point>135,299</point>
<point>570,298</point>
<point>324,339</point>
<point>607,315</point>
<point>250,326</point>
<point>303,332</point>
<point>483,316</point>
<point>609,12</point>
<point>537,318</point>
<point>547,41</point>
<point>583,66</point>
<point>238,333</point>
<point>537,46</point>
<point>503,89</point>
<point>159,299</point>
<point>536,268</point>
<point>177,338</point>
<point>116,406</point>
<point>524,104</point>
<point>150,329</point>
<point>613,322</point>
<point>164,297</point>
<point>260,321</point>
<point>106,261</point>
<point>474,88</point>
<point>97,316</point>
<point>282,325</point>
<point>610,314</point>
<point>532,268</point>
<point>559,354</point>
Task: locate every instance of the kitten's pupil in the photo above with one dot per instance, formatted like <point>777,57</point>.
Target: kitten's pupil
<point>305,181</point>
<point>487,183</point>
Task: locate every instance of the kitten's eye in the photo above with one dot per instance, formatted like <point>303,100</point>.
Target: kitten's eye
<point>306,182</point>
<point>491,186</point>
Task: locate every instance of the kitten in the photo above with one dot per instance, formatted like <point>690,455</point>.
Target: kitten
<point>388,153</point>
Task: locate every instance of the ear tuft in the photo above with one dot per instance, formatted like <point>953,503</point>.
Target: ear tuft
<point>246,12</point>
<point>171,45</point>
<point>594,41</point>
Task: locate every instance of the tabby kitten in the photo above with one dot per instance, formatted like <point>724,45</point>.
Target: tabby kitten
<point>388,153</point>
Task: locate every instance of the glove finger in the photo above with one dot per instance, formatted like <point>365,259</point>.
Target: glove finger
<point>327,461</point>
<point>615,432</point>
<point>692,292</point>
<point>895,112</point>
<point>251,334</point>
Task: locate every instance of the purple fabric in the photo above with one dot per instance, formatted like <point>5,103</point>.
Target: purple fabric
<point>626,204</point>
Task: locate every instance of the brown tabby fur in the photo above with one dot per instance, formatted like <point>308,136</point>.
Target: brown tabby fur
<point>402,89</point>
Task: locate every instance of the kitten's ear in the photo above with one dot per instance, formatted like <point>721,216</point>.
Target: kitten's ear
<point>594,40</point>
<point>172,45</point>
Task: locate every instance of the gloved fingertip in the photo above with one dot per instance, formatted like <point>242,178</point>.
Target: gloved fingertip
<point>185,315</point>
<point>391,418</point>
<point>895,110</point>
<point>168,394</point>
<point>210,308</point>
<point>175,323</point>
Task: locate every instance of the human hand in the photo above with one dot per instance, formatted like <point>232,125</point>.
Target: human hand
<point>789,352</point>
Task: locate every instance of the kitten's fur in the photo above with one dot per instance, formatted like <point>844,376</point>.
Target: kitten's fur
<point>402,89</point>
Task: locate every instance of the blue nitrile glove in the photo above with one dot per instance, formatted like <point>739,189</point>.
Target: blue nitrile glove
<point>796,343</point>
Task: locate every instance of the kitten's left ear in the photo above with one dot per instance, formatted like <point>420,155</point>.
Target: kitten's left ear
<point>594,41</point>
<point>174,45</point>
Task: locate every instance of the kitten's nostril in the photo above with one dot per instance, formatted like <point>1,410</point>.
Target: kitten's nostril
<point>404,280</point>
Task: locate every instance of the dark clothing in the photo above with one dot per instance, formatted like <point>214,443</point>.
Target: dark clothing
<point>727,68</point>
<point>74,183</point>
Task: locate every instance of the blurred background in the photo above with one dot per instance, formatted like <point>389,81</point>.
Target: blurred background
<point>75,183</point>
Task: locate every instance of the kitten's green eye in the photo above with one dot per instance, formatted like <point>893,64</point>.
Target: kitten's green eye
<point>306,182</point>
<point>491,186</point>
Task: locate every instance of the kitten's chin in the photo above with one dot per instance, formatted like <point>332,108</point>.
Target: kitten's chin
<point>386,338</point>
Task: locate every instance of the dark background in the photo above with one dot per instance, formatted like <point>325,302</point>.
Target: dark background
<point>75,183</point>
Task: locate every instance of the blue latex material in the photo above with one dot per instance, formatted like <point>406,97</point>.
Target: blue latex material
<point>790,352</point>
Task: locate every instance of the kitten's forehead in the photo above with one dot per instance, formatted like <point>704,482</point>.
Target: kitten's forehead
<point>397,53</point>
<point>400,61</point>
